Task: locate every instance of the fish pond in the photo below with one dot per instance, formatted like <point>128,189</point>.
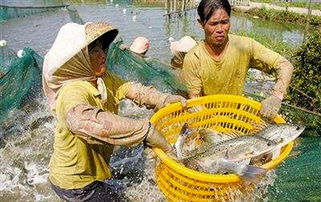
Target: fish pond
<point>26,135</point>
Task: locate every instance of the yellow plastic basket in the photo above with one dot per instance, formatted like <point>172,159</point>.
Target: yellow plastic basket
<point>223,113</point>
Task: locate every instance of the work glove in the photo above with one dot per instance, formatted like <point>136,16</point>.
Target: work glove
<point>174,98</point>
<point>270,106</point>
<point>155,139</point>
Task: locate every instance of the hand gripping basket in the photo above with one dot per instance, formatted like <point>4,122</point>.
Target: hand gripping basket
<point>222,113</point>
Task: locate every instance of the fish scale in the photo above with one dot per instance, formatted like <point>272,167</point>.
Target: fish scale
<point>233,155</point>
<point>219,149</point>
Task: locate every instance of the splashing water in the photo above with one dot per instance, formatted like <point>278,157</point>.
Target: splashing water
<point>28,138</point>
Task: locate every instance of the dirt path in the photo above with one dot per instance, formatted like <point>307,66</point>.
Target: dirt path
<point>275,7</point>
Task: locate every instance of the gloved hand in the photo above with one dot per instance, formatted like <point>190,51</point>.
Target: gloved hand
<point>175,98</point>
<point>150,155</point>
<point>270,106</point>
<point>155,139</point>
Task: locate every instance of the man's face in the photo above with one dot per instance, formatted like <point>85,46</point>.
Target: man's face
<point>98,59</point>
<point>216,28</point>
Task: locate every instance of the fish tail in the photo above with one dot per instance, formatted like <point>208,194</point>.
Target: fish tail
<point>253,174</point>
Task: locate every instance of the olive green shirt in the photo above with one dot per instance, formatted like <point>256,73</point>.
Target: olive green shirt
<point>75,163</point>
<point>203,74</point>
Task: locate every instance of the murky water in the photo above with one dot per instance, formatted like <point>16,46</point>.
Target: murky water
<point>27,135</point>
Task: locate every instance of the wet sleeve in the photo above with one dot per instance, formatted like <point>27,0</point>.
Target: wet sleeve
<point>91,123</point>
<point>142,95</point>
<point>191,77</point>
<point>74,111</point>
<point>269,61</point>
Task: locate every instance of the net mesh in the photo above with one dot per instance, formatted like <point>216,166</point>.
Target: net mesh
<point>298,179</point>
<point>18,77</point>
<point>147,71</point>
<point>8,12</point>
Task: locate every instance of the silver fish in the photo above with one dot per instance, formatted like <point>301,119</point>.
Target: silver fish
<point>282,133</point>
<point>233,155</point>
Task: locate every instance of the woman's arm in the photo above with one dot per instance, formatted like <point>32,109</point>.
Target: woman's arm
<point>271,62</point>
<point>92,124</point>
<point>148,96</point>
<point>89,121</point>
<point>284,71</point>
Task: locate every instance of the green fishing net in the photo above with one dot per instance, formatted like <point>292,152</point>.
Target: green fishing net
<point>298,178</point>
<point>8,12</point>
<point>147,71</point>
<point>20,78</point>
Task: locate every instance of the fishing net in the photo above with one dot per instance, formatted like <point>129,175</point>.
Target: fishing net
<point>8,12</point>
<point>147,71</point>
<point>298,179</point>
<point>20,78</point>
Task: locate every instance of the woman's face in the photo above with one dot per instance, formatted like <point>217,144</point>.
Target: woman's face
<point>216,28</point>
<point>98,58</point>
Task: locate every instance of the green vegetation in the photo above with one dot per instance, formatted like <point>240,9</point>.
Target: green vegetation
<point>283,16</point>
<point>314,5</point>
<point>305,87</point>
<point>277,45</point>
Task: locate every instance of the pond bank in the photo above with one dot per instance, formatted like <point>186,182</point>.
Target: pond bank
<point>282,15</point>
<point>279,8</point>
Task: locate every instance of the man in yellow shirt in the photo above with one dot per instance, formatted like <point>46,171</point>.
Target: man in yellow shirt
<point>218,65</point>
<point>84,97</point>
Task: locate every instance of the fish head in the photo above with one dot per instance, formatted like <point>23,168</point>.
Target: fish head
<point>283,133</point>
<point>289,133</point>
<point>186,138</point>
<point>189,139</point>
<point>194,139</point>
<point>183,134</point>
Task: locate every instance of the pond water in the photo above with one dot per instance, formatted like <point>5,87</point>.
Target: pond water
<point>27,134</point>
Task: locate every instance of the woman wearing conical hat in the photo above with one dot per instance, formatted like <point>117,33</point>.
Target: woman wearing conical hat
<point>84,96</point>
